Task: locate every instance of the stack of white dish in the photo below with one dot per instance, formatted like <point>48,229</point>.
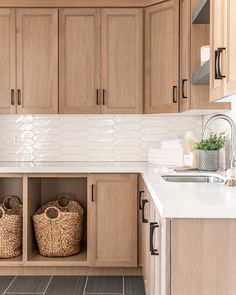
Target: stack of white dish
<point>169,154</point>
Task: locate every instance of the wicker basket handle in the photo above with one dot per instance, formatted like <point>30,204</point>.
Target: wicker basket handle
<point>63,201</point>
<point>52,213</point>
<point>2,213</point>
<point>10,203</point>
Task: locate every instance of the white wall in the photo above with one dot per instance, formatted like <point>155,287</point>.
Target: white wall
<point>89,138</point>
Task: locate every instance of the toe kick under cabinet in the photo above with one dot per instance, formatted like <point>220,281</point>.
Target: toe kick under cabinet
<point>109,242</point>
<point>185,256</point>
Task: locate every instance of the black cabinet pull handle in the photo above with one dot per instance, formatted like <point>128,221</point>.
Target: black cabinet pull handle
<point>98,98</point>
<point>218,73</point>
<point>183,85</point>
<point>103,97</point>
<point>18,96</point>
<point>153,226</point>
<point>139,199</point>
<point>12,97</point>
<point>175,94</point>
<point>93,192</point>
<point>144,202</point>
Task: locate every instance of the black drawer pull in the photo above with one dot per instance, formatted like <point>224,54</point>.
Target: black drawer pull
<point>175,94</point>
<point>218,73</point>
<point>183,85</point>
<point>12,97</point>
<point>98,98</point>
<point>18,96</point>
<point>153,226</point>
<point>140,199</point>
<point>144,202</point>
<point>93,192</point>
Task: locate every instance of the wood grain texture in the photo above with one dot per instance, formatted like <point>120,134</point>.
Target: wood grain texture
<point>121,60</point>
<point>161,57</point>
<point>200,94</point>
<point>203,255</point>
<point>141,190</point>
<point>146,244</point>
<point>230,24</point>
<point>37,60</point>
<point>77,3</point>
<point>113,220</point>
<point>7,60</point>
<point>217,40</point>
<point>79,70</point>
<point>69,271</point>
<point>185,55</point>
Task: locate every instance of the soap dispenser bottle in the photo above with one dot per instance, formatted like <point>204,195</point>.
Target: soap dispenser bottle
<point>190,154</point>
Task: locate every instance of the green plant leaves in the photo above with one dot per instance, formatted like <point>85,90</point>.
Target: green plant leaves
<point>213,143</point>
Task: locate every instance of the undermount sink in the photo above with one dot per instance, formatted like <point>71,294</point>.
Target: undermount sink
<point>193,178</point>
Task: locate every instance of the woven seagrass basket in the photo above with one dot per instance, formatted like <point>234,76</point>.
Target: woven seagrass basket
<point>10,227</point>
<point>58,227</point>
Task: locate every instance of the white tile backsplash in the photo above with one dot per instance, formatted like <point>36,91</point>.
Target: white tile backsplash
<point>89,137</point>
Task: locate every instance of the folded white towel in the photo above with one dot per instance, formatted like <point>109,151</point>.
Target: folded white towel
<point>166,157</point>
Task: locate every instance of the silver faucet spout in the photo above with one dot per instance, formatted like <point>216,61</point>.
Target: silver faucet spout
<point>233,134</point>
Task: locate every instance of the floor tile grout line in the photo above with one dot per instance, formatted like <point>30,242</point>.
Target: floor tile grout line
<point>44,292</point>
<point>17,293</point>
<point>85,285</point>
<point>123,285</point>
<point>9,286</point>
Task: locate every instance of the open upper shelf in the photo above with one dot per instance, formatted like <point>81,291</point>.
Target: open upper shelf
<point>201,76</point>
<point>201,14</point>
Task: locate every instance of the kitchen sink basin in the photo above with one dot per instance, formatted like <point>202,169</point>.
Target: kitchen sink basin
<point>193,178</point>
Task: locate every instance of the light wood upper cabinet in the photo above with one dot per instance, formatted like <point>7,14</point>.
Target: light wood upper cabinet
<point>113,220</point>
<point>37,61</point>
<point>231,48</point>
<point>217,41</point>
<point>121,58</point>
<point>185,49</point>
<point>162,57</point>
<point>223,49</point>
<point>79,64</point>
<point>7,61</point>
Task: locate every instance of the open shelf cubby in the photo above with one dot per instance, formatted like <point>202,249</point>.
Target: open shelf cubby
<point>45,189</point>
<point>11,186</point>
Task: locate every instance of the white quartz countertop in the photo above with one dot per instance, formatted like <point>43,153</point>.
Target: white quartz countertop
<point>174,200</point>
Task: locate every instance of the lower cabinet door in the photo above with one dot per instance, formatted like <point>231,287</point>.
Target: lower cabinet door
<point>146,242</point>
<point>155,253</point>
<point>112,218</point>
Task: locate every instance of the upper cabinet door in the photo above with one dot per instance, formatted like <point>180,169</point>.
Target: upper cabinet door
<point>231,48</point>
<point>121,57</point>
<point>79,49</point>
<point>37,61</point>
<point>217,41</point>
<point>162,57</point>
<point>7,61</point>
<point>185,49</point>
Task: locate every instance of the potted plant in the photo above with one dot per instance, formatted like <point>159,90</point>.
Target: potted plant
<point>209,151</point>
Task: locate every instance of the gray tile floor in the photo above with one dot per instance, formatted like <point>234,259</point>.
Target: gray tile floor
<point>74,285</point>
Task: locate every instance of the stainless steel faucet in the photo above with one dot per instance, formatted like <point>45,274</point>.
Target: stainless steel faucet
<point>233,134</point>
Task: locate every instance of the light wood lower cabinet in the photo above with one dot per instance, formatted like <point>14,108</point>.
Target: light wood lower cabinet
<point>187,256</point>
<point>113,220</point>
<point>155,246</point>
